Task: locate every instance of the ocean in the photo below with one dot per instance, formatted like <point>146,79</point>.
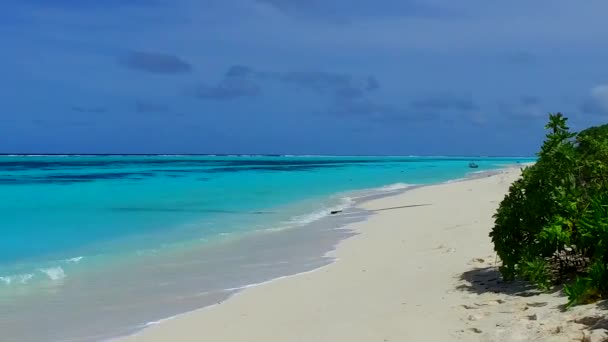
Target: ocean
<point>94,247</point>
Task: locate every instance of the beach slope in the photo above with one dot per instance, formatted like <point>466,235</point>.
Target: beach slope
<point>423,273</point>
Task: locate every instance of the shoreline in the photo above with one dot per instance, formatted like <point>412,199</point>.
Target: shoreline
<point>323,254</point>
<point>354,208</point>
<point>148,331</point>
<point>408,274</point>
<point>371,194</point>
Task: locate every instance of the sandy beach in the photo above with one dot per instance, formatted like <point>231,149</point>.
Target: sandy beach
<point>419,273</point>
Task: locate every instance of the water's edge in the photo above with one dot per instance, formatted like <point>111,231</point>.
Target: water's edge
<point>345,220</point>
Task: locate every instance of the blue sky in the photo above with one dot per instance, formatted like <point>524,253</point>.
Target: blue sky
<point>292,76</point>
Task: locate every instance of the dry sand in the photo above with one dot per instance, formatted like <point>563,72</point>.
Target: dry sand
<point>424,273</point>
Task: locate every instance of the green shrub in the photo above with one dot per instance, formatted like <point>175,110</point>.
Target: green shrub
<point>552,226</point>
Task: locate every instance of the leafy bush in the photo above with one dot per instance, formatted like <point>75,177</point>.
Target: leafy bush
<point>552,226</point>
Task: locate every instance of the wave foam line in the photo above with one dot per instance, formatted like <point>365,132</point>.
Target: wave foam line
<point>16,279</point>
<point>54,273</point>
<point>396,186</point>
<point>319,214</point>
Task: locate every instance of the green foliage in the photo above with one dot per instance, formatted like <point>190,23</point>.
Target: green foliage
<point>553,223</point>
<point>589,137</point>
<point>578,292</point>
<point>537,271</point>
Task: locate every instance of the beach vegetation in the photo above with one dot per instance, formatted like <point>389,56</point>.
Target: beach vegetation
<point>552,226</point>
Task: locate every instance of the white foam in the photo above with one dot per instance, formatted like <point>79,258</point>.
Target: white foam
<point>75,259</point>
<point>396,186</point>
<point>54,273</point>
<point>16,279</point>
<point>23,278</point>
<point>345,202</point>
<point>248,286</point>
<point>455,180</point>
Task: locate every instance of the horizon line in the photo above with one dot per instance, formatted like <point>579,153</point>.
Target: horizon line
<point>260,155</point>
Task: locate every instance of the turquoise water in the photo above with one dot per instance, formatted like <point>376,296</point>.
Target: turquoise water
<point>64,218</point>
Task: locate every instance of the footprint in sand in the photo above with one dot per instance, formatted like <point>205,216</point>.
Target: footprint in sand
<point>537,304</point>
<point>491,302</point>
<point>474,318</point>
<point>469,307</point>
<point>476,261</point>
<point>533,317</point>
<point>445,249</point>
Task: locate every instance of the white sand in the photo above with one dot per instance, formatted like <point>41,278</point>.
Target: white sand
<point>413,274</point>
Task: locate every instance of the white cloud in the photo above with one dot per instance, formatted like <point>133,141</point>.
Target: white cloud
<point>599,98</point>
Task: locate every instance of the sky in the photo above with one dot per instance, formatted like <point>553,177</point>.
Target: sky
<point>387,77</point>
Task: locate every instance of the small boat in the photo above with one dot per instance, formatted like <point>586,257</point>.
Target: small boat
<point>472,165</point>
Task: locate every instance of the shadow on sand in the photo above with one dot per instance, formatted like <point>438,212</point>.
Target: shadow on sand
<point>402,207</point>
<point>598,321</point>
<point>488,279</point>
